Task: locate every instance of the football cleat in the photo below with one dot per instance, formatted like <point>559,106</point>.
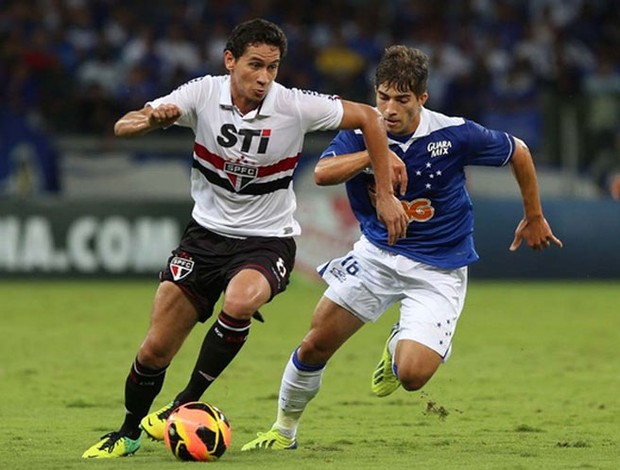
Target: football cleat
<point>154,424</point>
<point>112,445</point>
<point>384,382</point>
<point>271,439</point>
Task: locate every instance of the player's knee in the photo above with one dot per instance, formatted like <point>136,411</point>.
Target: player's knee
<point>412,384</point>
<point>154,356</point>
<point>242,304</point>
<point>416,366</point>
<point>412,380</point>
<point>246,293</point>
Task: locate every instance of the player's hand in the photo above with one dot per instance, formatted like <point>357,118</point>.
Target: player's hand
<point>391,212</point>
<point>400,178</point>
<point>164,115</point>
<point>537,234</point>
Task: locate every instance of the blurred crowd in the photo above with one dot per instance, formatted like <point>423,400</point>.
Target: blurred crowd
<point>77,65</point>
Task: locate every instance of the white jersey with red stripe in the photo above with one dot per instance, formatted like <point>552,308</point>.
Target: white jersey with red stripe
<point>243,165</point>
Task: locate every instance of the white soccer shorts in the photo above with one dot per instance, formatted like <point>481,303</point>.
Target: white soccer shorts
<point>368,280</point>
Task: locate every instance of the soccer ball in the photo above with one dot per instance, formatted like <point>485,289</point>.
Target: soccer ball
<point>197,431</point>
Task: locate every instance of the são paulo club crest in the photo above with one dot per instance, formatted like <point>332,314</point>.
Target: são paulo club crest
<point>181,267</point>
<point>240,175</point>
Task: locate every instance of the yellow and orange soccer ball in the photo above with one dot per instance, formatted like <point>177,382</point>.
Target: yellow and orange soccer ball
<point>197,431</point>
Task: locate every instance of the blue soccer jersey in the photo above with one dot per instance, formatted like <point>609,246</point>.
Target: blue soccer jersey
<point>441,224</point>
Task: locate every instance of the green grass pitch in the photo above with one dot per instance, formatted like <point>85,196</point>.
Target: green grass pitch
<point>533,382</point>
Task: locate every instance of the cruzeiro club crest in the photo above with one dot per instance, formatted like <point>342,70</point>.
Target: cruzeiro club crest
<point>240,175</point>
<point>181,267</point>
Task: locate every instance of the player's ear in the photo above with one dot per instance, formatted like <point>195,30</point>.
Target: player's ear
<point>422,98</point>
<point>229,60</point>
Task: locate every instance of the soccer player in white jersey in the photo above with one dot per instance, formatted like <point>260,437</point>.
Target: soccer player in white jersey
<point>249,133</point>
<point>426,271</point>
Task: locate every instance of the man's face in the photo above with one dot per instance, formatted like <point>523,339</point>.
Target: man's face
<point>252,74</point>
<point>400,110</point>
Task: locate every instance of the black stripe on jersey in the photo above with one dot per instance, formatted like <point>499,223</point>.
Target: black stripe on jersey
<point>255,189</point>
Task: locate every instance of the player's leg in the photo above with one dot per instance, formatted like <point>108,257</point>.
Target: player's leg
<point>415,364</point>
<point>428,322</point>
<point>422,339</point>
<point>360,289</point>
<point>223,341</point>
<point>174,316</point>
<point>258,270</point>
<point>247,291</point>
<point>405,362</point>
<point>172,319</point>
<point>331,326</point>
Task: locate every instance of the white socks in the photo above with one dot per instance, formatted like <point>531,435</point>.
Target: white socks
<point>300,384</point>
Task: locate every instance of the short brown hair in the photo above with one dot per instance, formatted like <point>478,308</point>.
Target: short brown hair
<point>403,68</point>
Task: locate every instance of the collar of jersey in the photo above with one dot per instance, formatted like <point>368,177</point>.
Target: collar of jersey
<point>265,109</point>
<point>424,125</point>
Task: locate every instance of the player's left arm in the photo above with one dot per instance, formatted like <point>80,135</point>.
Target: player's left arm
<point>533,228</point>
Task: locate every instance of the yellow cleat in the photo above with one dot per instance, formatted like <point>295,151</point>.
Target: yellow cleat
<point>384,382</point>
<point>112,445</point>
<point>154,424</point>
<point>271,439</point>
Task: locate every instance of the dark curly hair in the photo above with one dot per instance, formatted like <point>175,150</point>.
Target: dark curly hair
<point>256,31</point>
<point>403,68</point>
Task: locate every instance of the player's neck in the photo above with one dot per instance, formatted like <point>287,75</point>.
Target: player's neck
<point>245,106</point>
<point>402,137</point>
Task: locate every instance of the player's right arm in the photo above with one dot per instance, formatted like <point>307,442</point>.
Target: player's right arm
<point>340,168</point>
<point>147,119</point>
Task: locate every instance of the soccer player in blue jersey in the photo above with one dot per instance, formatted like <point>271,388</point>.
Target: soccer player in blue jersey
<point>426,271</point>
